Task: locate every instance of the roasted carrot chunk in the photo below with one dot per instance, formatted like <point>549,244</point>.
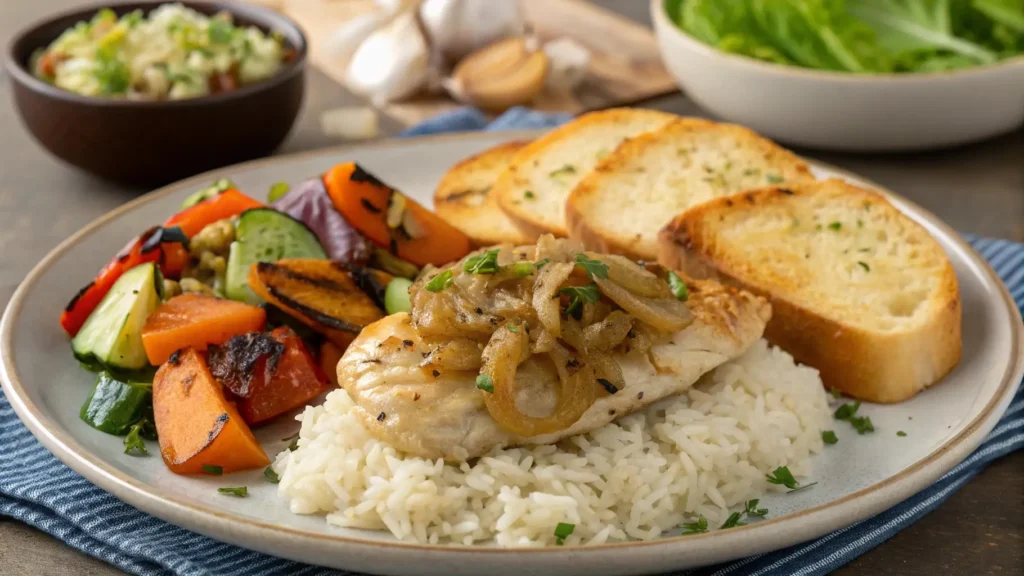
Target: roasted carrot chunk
<point>392,220</point>
<point>196,424</point>
<point>295,380</point>
<point>322,294</point>
<point>196,320</point>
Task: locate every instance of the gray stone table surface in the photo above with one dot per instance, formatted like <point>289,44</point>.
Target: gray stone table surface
<point>977,188</point>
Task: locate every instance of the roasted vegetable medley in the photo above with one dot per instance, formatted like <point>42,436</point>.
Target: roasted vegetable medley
<point>234,312</point>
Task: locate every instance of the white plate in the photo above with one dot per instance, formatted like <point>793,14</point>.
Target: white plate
<point>857,478</point>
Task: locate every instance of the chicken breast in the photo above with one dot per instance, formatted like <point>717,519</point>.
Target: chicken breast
<point>426,412</point>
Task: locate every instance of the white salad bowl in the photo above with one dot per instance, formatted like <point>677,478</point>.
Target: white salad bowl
<point>843,111</point>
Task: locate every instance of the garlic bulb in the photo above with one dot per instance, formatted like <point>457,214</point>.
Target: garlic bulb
<point>392,63</point>
<point>458,27</point>
<point>505,74</point>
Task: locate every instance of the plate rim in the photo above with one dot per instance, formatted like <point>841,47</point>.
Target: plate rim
<point>228,527</point>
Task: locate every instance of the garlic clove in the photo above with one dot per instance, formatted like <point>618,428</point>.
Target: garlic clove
<point>569,61</point>
<point>500,76</point>
<point>350,122</point>
<point>347,39</point>
<point>396,208</point>
<point>458,27</point>
<point>392,63</point>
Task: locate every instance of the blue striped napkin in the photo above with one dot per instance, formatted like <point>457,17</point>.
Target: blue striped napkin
<point>39,490</point>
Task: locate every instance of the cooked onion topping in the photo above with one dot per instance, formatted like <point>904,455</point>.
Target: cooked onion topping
<point>552,303</point>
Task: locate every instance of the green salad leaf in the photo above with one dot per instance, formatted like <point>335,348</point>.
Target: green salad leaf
<point>859,36</point>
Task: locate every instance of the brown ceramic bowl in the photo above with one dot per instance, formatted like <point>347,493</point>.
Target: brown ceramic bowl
<point>150,143</point>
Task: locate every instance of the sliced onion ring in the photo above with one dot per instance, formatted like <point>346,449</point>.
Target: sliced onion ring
<point>666,314</point>
<point>576,392</point>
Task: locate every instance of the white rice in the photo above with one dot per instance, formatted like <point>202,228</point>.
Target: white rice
<point>638,478</point>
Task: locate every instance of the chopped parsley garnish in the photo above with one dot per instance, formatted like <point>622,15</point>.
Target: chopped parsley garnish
<point>753,510</point>
<point>773,178</point>
<point>512,328</point>
<point>529,195</point>
<point>901,433</point>
<point>486,263</point>
<point>783,477</point>
<point>863,425</point>
<point>829,437</point>
<point>112,75</point>
<point>567,169</point>
<point>215,470</point>
<point>677,286</point>
<point>835,225</point>
<point>271,476</point>
<point>523,269</point>
<point>540,263</point>
<point>563,531</point>
<point>484,382</point>
<point>240,491</point>
<point>734,520</point>
<point>594,268</point>
<point>701,525</point>
<point>864,265</point>
<point>221,31</point>
<point>607,385</point>
<point>847,411</point>
<point>835,393</point>
<point>577,296</point>
<point>134,441</point>
<point>440,282</point>
<point>860,223</point>
<point>277,190</point>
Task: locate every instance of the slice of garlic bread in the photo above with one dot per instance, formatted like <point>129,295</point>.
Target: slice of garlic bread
<point>464,197</point>
<point>858,290</point>
<point>622,204</point>
<point>532,191</point>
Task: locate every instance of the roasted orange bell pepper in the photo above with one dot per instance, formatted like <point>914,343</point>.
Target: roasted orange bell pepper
<point>365,201</point>
<point>228,203</point>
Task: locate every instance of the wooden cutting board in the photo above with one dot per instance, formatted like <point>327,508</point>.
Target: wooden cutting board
<point>625,65</point>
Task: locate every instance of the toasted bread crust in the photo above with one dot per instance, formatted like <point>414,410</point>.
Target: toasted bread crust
<point>511,184</point>
<point>590,193</point>
<point>464,198</point>
<point>873,365</point>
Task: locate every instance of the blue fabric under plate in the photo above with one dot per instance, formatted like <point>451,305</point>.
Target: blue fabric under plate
<point>39,490</point>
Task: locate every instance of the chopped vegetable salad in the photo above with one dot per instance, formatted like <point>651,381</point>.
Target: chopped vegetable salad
<point>172,53</point>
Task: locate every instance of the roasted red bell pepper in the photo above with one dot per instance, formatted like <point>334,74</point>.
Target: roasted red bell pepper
<point>295,381</point>
<point>228,203</point>
<point>162,245</point>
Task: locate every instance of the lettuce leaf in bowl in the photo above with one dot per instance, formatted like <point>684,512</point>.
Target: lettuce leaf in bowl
<point>859,36</point>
